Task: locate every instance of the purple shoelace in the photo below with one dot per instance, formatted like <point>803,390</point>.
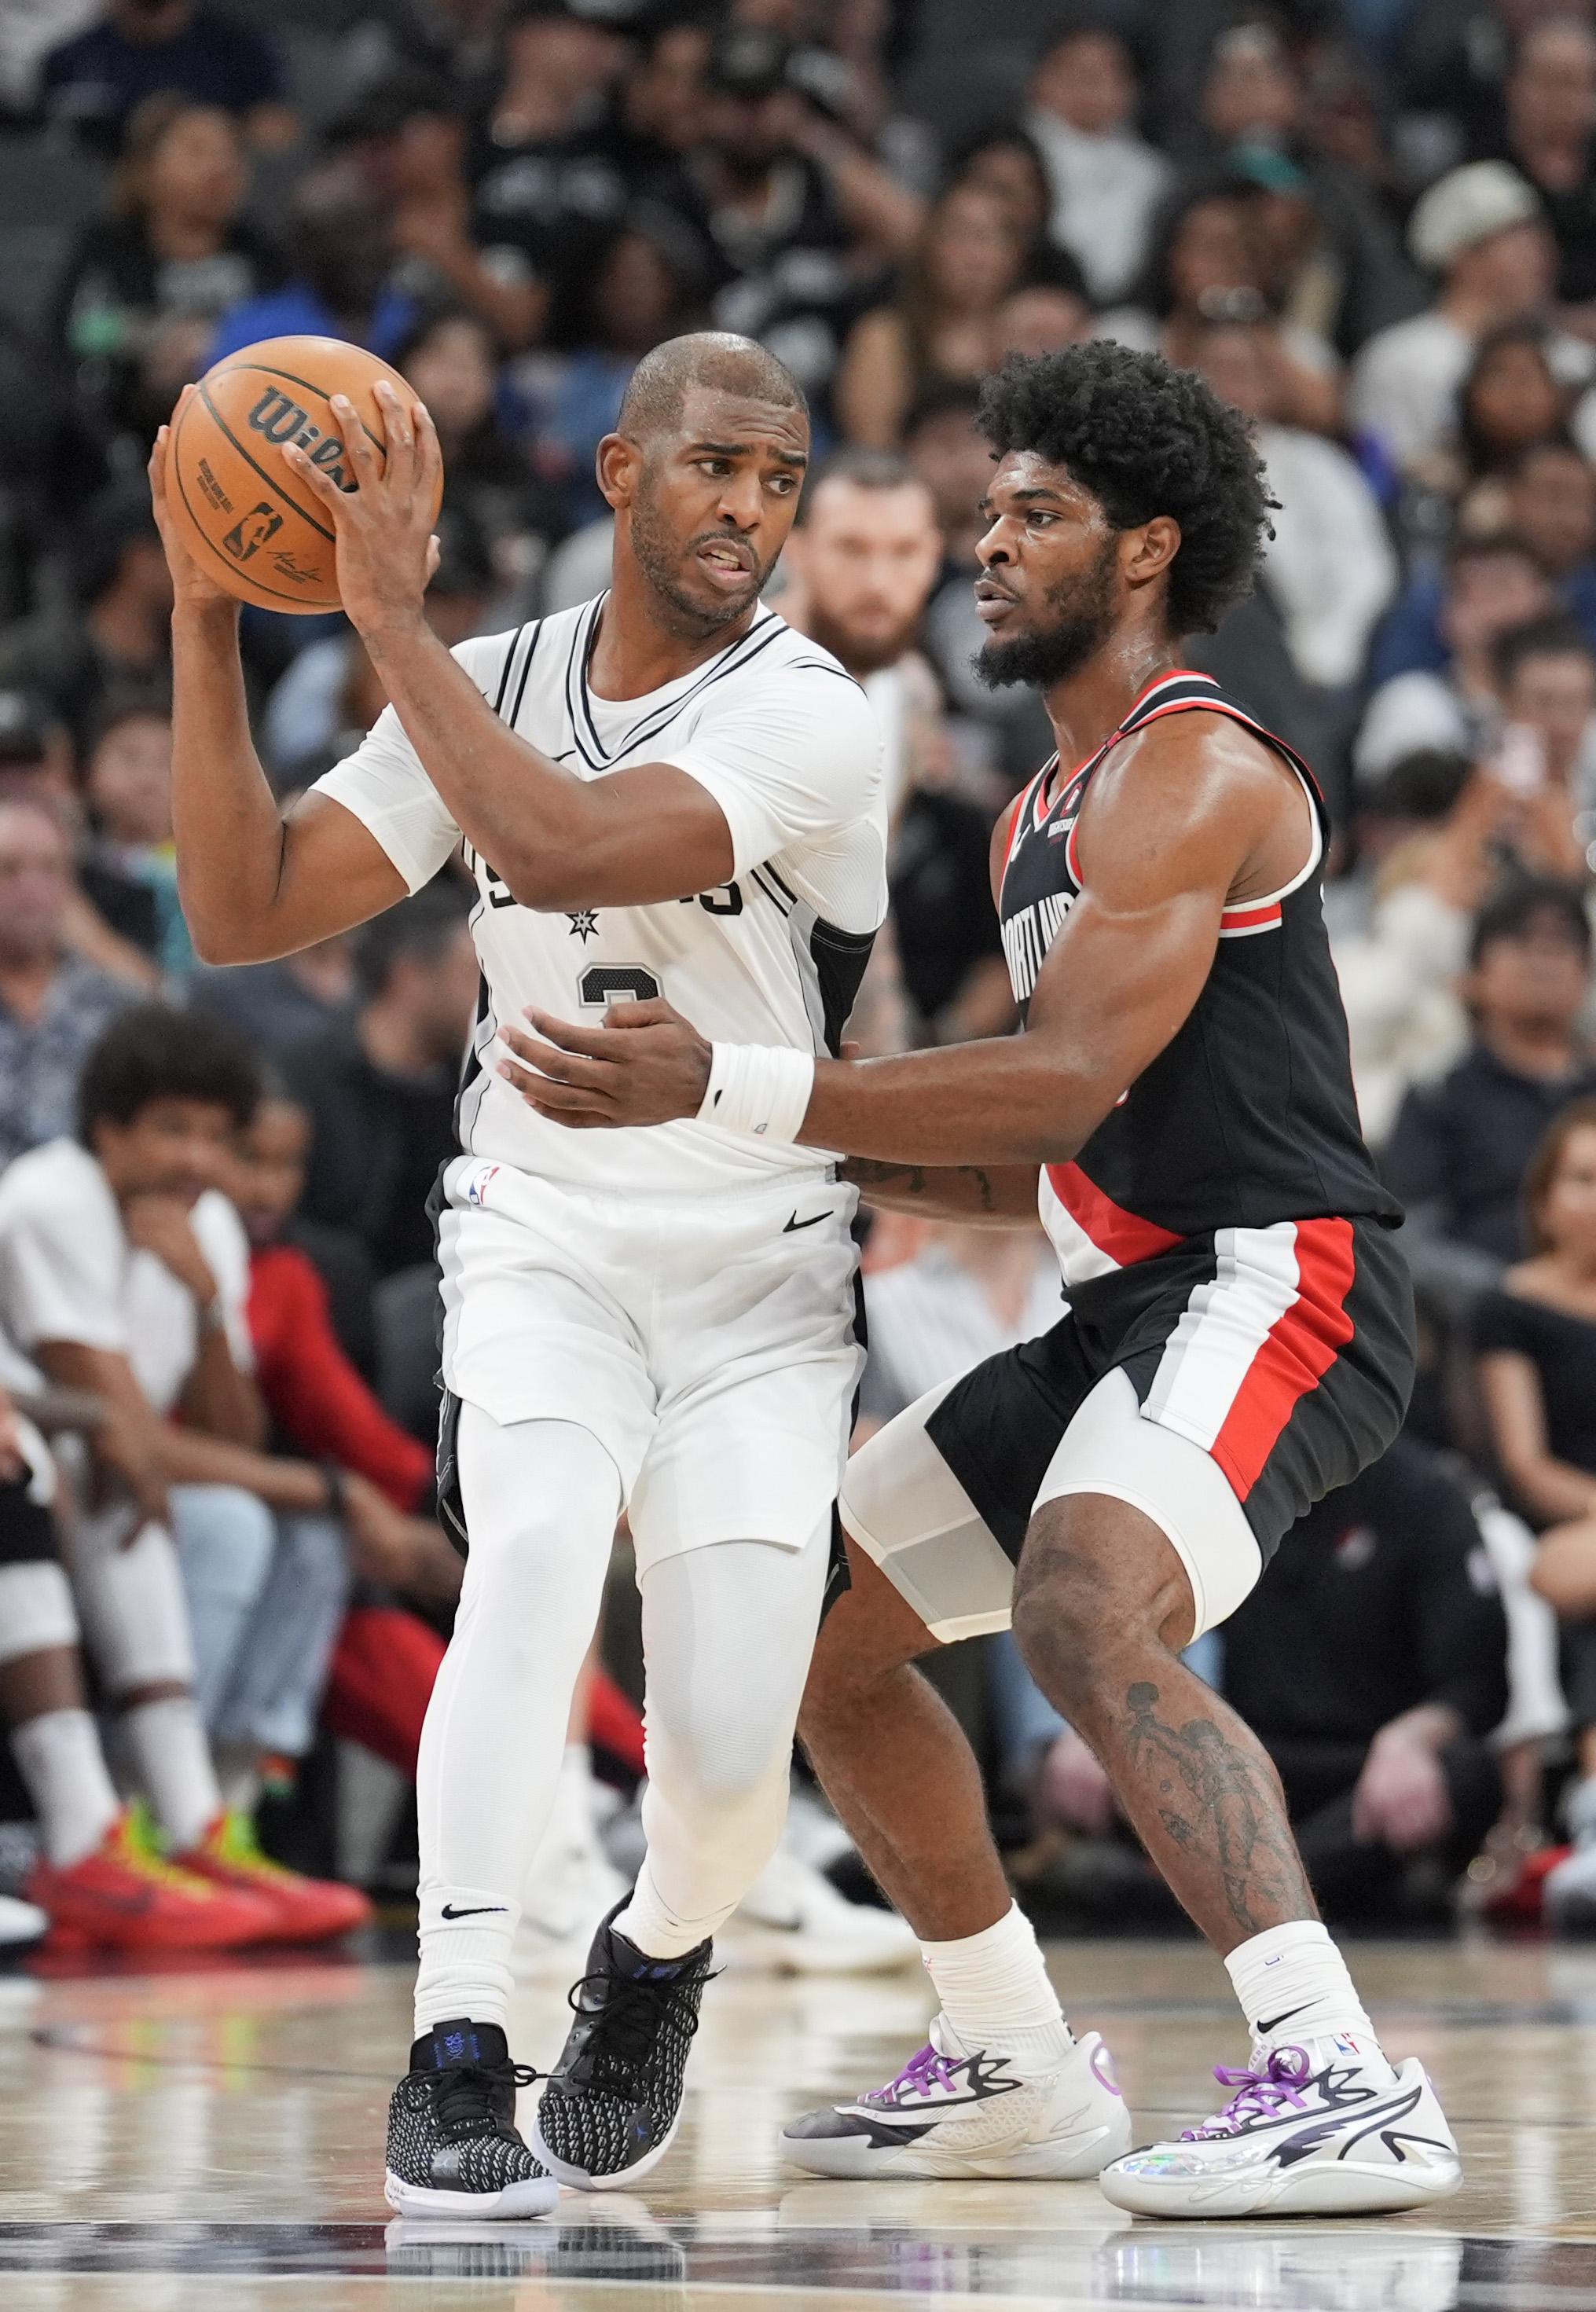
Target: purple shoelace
<point>919,2075</point>
<point>1258,2095</point>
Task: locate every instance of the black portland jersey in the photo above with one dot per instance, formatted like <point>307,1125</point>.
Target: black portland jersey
<point>1247,1116</point>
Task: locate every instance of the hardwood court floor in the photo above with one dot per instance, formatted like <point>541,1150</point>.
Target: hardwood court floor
<point>210,2140</point>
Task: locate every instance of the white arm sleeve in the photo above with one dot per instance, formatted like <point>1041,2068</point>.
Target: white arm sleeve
<point>794,768</point>
<point>385,786</point>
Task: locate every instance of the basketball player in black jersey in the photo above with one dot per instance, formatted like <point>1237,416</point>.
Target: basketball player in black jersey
<point>1237,1340</point>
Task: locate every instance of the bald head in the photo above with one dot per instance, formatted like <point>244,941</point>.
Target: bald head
<point>713,358</point>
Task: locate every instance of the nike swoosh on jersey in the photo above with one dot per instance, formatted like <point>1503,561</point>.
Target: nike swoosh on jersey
<point>792,1227</point>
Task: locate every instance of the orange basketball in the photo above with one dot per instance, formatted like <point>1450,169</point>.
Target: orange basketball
<point>251,524</point>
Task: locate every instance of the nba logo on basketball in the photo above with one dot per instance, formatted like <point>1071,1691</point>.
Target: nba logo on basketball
<point>250,535</point>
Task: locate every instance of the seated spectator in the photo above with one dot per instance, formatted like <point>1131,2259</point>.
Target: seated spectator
<point>1546,681</point>
<point>1106,181</point>
<point>274,1005</point>
<point>340,236</point>
<point>1460,1149</point>
<point>52,1003</point>
<point>1207,263</point>
<point>115,632</point>
<point>1371,1663</point>
<point>1481,230</point>
<point>408,136</point>
<point>124,1272</point>
<point>1535,1342</point>
<point>95,1880</point>
<point>95,82</point>
<point>1550,103</point>
<point>943,322</point>
<point>144,289</point>
<point>130,869</point>
<point>1492,583</point>
<point>1008,162</point>
<point>1510,401</point>
<point>1328,569</point>
<point>381,1089</point>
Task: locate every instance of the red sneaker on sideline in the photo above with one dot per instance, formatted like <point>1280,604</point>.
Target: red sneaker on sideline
<point>303,1910</point>
<point>125,1897</point>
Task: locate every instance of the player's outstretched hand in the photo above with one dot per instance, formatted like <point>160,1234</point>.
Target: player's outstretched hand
<point>647,1064</point>
<point>190,587</point>
<point>386,551</point>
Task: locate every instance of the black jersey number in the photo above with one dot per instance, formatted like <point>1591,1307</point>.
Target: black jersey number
<point>617,983</point>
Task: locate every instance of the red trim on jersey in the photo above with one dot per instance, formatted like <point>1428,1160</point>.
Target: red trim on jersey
<point>1298,1351</point>
<point>1244,918</point>
<point>1126,1236</point>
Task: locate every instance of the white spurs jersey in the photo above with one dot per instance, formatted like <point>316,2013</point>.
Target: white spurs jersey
<point>787,744</point>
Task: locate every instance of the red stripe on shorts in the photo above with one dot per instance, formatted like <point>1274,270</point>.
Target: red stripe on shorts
<point>1126,1236</point>
<point>1298,1351</point>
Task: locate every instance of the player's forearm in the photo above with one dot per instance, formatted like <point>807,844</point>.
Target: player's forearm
<point>979,1195</point>
<point>225,819</point>
<point>1008,1101</point>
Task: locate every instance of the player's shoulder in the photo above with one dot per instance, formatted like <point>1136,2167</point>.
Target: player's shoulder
<point>495,661</point>
<point>785,654</point>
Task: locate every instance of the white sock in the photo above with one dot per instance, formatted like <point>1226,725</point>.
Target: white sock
<point>465,1959</point>
<point>994,1991</point>
<point>571,1824</point>
<point>1293,1986</point>
<point>60,1760</point>
<point>172,1761</point>
<point>650,1926</point>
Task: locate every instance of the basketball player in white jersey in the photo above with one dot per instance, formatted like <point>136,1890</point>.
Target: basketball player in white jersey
<point>666,789</point>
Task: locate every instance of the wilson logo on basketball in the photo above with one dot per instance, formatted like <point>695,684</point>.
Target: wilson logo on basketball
<point>282,420</point>
<point>250,535</point>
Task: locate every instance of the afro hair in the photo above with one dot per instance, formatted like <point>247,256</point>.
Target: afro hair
<point>1145,439</point>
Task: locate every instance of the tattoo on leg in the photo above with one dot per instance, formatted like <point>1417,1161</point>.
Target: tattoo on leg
<point>1214,1796</point>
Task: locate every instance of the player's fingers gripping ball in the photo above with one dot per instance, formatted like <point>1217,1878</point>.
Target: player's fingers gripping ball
<point>257,527</point>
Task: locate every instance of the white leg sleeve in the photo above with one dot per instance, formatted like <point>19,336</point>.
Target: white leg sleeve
<point>134,1617</point>
<point>541,1499</point>
<point>727,1636</point>
<point>35,1609</point>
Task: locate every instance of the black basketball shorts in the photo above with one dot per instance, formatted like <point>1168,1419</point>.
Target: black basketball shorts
<point>1221,1388</point>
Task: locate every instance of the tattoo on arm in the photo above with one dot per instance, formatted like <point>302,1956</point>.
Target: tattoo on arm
<point>918,1179</point>
<point>1215,1798</point>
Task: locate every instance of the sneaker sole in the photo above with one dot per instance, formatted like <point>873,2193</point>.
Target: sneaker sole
<point>1344,2189</point>
<point>624,2177</point>
<point>853,2159</point>
<point>538,2196</point>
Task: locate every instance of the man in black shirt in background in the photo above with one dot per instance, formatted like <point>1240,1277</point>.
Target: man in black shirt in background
<point>1370,1662</point>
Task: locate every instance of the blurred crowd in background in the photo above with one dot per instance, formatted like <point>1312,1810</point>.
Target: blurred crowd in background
<point>1372,225</point>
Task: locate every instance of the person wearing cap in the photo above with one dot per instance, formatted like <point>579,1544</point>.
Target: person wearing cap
<point>1482,229</point>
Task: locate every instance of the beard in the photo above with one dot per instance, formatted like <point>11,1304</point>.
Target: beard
<point>659,558</point>
<point>1082,623</point>
<point>860,657</point>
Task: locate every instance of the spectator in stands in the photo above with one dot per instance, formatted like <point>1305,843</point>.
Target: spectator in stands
<point>1207,263</point>
<point>1042,317</point>
<point>1535,1340</point>
<point>124,1272</point>
<point>1371,1664</point>
<point>130,868</point>
<point>1492,583</point>
<point>381,1088</point>
<point>95,82</point>
<point>1511,399</point>
<point>1482,230</point>
<point>1552,122</point>
<point>52,1005</point>
<point>1106,181</point>
<point>408,136</point>
<point>115,632</point>
<point>1546,679</point>
<point>797,218</point>
<point>1328,569</point>
<point>141,292</point>
<point>340,235</point>
<point>1461,1147</point>
<point>272,1005</point>
<point>943,322</point>
<point>1008,162</point>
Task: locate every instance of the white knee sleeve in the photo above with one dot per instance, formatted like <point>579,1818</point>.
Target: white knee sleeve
<point>134,1617</point>
<point>727,1636</point>
<point>35,1609</point>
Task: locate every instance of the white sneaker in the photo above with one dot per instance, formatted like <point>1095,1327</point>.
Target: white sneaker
<point>957,2111</point>
<point>793,1922</point>
<point>1325,2130</point>
<point>569,1889</point>
<point>20,1921</point>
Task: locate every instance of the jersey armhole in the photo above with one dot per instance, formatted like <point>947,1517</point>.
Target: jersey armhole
<point>1261,914</point>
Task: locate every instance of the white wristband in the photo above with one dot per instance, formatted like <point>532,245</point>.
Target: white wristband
<point>761,1088</point>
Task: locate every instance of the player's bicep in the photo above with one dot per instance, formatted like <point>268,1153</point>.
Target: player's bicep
<point>335,873</point>
<point>1119,982</point>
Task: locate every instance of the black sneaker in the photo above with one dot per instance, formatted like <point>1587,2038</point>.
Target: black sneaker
<point>611,2106</point>
<point>454,2149</point>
